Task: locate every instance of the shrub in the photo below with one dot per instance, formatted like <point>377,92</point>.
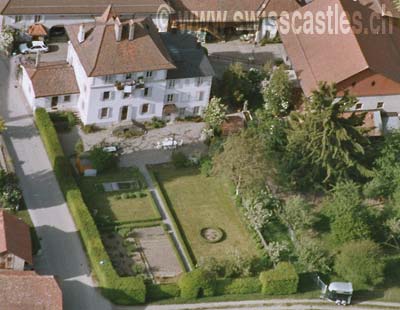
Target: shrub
<point>361,263</point>
<point>63,120</point>
<point>162,291</point>
<point>179,159</point>
<point>206,166</point>
<point>90,129</point>
<point>242,286</point>
<point>127,290</point>
<point>282,280</point>
<point>79,148</point>
<point>103,160</point>
<point>197,283</point>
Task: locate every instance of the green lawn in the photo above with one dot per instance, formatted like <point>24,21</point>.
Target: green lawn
<point>199,202</point>
<point>109,207</point>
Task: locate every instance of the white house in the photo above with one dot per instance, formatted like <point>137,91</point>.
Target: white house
<point>119,70</point>
<point>15,243</point>
<point>21,14</point>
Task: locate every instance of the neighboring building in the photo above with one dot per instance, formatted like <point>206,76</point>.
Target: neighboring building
<point>15,243</point>
<point>26,290</point>
<point>365,64</point>
<point>120,70</point>
<point>21,14</point>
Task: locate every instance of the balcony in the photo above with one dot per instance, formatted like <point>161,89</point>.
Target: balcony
<point>129,85</point>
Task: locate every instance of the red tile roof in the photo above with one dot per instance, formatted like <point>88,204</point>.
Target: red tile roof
<point>26,290</point>
<point>279,6</point>
<point>337,57</point>
<point>37,30</point>
<point>100,53</point>
<point>15,237</point>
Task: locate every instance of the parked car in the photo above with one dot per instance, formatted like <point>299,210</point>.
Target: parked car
<point>57,31</point>
<point>33,47</point>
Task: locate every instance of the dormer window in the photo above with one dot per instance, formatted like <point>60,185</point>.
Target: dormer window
<point>128,76</point>
<point>149,74</point>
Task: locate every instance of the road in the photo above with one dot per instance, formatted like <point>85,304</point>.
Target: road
<point>62,253</point>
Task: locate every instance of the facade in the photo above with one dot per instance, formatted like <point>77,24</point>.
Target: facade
<point>119,70</point>
<point>366,64</point>
<point>15,243</point>
<point>21,14</point>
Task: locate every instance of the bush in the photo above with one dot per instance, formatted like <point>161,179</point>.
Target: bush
<point>361,263</point>
<point>79,148</point>
<point>90,129</point>
<point>162,291</point>
<point>197,283</point>
<point>206,166</point>
<point>127,290</point>
<point>179,160</point>
<point>282,280</point>
<point>242,286</point>
<point>63,120</point>
<point>102,160</point>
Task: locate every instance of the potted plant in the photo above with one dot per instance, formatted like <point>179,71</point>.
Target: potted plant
<point>118,85</point>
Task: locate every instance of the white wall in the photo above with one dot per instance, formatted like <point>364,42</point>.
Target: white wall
<point>391,102</point>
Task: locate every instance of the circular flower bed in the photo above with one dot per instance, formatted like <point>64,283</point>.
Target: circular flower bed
<point>212,234</point>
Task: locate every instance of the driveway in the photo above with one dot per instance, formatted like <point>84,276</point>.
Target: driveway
<point>61,252</point>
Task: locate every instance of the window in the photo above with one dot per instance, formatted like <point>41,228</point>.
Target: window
<point>380,105</point>
<point>354,84</point>
<point>126,95</point>
<point>106,95</point>
<point>146,92</point>
<point>199,81</point>
<point>359,106</point>
<point>38,18</point>
<point>149,73</point>
<point>109,79</point>
<point>181,112</point>
<point>67,98</point>
<point>104,113</point>
<point>128,76</point>
<point>145,108</point>
<point>200,96</point>
<point>171,84</point>
<point>170,97</point>
<point>17,18</point>
<point>196,110</point>
<point>185,97</point>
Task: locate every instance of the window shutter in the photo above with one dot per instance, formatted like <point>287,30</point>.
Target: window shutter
<point>112,95</point>
<point>150,92</point>
<point>152,108</point>
<point>110,111</point>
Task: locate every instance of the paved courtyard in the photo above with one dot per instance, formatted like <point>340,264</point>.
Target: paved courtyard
<point>159,252</point>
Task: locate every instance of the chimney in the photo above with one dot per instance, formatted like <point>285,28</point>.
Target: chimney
<point>131,30</point>
<point>118,29</point>
<point>81,33</point>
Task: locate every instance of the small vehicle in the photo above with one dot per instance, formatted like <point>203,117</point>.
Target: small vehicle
<point>338,292</point>
<point>57,31</point>
<point>33,47</point>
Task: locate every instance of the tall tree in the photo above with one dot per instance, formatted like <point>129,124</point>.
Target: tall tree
<point>215,113</point>
<point>326,145</point>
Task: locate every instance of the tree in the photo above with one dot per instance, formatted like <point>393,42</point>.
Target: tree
<point>275,251</point>
<point>10,193</point>
<point>348,216</point>
<point>311,255</point>
<point>296,214</point>
<point>278,94</point>
<point>325,145</point>
<point>243,161</point>
<point>361,263</point>
<point>102,160</point>
<point>215,113</point>
<point>6,39</point>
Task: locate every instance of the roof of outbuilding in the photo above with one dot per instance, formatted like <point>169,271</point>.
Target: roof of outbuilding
<point>189,58</point>
<point>26,290</point>
<point>37,30</point>
<point>52,79</point>
<point>339,56</point>
<point>101,54</point>
<point>95,7</point>
<point>15,237</point>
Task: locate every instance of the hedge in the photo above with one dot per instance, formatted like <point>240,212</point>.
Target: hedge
<point>240,286</point>
<point>283,280</point>
<point>197,283</point>
<point>157,292</point>
<point>124,291</point>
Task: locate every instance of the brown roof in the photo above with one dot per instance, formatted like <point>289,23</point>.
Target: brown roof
<point>230,7</point>
<point>384,7</point>
<point>95,7</point>
<point>52,79</point>
<point>100,53</point>
<point>37,30</point>
<point>26,290</point>
<point>279,6</point>
<point>15,237</point>
<point>337,57</point>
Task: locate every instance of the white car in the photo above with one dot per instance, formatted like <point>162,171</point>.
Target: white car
<point>33,47</point>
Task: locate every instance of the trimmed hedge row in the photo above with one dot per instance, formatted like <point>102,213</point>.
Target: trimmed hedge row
<point>282,280</point>
<point>171,214</point>
<point>197,283</point>
<point>126,290</point>
<point>240,286</point>
<point>157,292</point>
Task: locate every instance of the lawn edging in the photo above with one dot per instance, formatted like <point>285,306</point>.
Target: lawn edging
<point>120,290</point>
<point>174,221</point>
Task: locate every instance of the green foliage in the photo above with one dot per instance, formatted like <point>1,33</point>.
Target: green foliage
<point>162,291</point>
<point>296,214</point>
<point>361,263</point>
<point>90,129</point>
<point>283,280</point>
<point>348,216</point>
<point>155,123</point>
<point>179,159</point>
<point>197,283</point>
<point>215,113</point>
<point>206,166</point>
<point>324,146</point>
<point>79,148</point>
<point>2,125</point>
<point>102,160</point>
<point>278,94</point>
<point>63,120</point>
<point>10,193</point>
<point>241,286</point>
<point>127,290</point>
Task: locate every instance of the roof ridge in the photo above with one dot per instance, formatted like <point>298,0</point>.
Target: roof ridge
<point>98,50</point>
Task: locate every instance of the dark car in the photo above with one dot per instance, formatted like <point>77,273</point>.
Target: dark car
<point>57,31</point>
